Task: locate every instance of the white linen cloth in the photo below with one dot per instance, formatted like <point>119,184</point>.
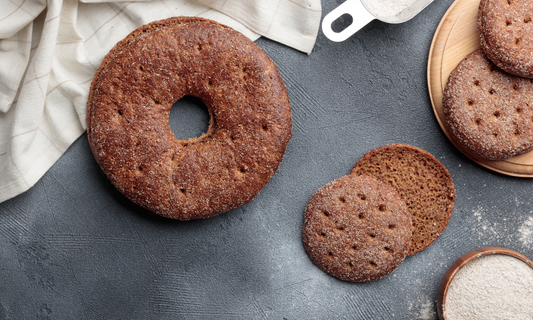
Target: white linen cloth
<point>50,49</point>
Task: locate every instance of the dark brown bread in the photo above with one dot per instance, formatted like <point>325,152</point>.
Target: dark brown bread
<point>506,33</point>
<point>422,182</point>
<point>357,229</point>
<point>129,103</point>
<point>488,111</point>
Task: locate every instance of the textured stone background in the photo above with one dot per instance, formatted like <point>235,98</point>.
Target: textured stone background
<point>73,247</point>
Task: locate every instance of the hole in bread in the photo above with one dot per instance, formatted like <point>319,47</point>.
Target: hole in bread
<point>491,91</point>
<point>362,196</point>
<point>470,102</point>
<point>243,169</point>
<point>497,114</point>
<point>517,132</point>
<point>372,235</point>
<point>527,19</point>
<point>232,138</point>
<point>350,264</point>
<point>199,47</point>
<point>209,83</point>
<point>264,128</point>
<point>515,87</point>
<point>361,215</point>
<point>189,119</point>
<point>330,254</point>
<point>478,122</point>
<point>382,207</point>
<point>508,22</point>
<point>322,234</point>
<point>141,68</point>
<point>119,112</point>
<point>182,190</point>
<point>387,249</point>
<point>519,110</point>
<point>326,214</point>
<point>372,265</point>
<point>342,200</point>
<point>518,40</point>
<point>354,247</point>
<point>495,134</point>
<point>509,2</point>
<point>156,101</point>
<point>391,226</point>
<point>341,229</point>
<point>476,83</point>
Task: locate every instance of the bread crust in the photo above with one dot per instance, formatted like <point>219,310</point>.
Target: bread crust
<point>129,103</point>
<point>506,34</point>
<point>489,111</point>
<point>357,229</point>
<point>422,182</point>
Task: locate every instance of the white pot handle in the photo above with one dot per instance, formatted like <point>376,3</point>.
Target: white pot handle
<point>361,17</point>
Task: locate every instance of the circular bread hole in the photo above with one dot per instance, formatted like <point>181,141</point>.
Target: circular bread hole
<point>497,114</point>
<point>495,134</point>
<point>491,91</point>
<point>382,207</point>
<point>470,102</point>
<point>342,200</point>
<point>362,196</point>
<point>388,250</point>
<point>527,19</point>
<point>372,235</point>
<point>476,83</point>
<point>519,110</point>
<point>508,23</point>
<point>372,265</point>
<point>189,118</point>
<point>518,41</point>
<point>391,226</point>
<point>326,214</point>
<point>478,122</point>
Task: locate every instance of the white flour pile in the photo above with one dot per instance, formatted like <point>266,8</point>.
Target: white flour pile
<point>492,287</point>
<point>386,8</point>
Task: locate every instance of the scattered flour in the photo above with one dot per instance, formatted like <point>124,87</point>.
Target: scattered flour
<point>427,311</point>
<point>526,232</point>
<point>386,8</point>
<point>491,287</point>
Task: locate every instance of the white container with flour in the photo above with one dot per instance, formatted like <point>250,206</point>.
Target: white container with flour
<point>364,11</point>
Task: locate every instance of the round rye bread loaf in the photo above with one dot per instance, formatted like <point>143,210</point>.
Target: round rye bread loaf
<point>489,112</point>
<point>422,182</point>
<point>357,229</point>
<point>506,34</point>
<point>128,108</point>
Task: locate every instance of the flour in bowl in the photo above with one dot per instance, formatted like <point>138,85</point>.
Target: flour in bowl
<point>386,8</point>
<point>491,287</point>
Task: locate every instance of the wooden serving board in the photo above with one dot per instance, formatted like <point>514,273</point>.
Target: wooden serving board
<point>456,36</point>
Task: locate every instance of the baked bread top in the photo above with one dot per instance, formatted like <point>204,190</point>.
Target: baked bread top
<point>506,34</point>
<point>357,229</point>
<point>129,103</point>
<point>489,111</point>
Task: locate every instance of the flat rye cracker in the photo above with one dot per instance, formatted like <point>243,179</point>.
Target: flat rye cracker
<point>506,34</point>
<point>422,182</point>
<point>488,111</point>
<point>357,229</point>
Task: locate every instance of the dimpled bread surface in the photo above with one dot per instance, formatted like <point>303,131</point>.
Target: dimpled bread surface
<point>357,229</point>
<point>506,34</point>
<point>128,108</point>
<point>422,182</point>
<point>489,111</point>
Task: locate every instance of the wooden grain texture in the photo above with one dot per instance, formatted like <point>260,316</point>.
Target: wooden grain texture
<point>455,37</point>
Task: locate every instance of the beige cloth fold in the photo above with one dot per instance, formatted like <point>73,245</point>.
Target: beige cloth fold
<point>49,51</point>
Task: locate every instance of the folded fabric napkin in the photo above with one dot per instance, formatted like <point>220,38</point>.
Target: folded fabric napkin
<point>50,49</point>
